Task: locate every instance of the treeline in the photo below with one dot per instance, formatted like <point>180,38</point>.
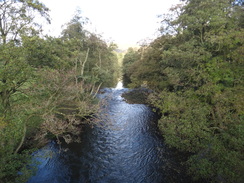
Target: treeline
<point>47,84</point>
<point>196,70</point>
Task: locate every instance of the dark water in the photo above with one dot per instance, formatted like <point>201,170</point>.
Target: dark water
<point>124,147</point>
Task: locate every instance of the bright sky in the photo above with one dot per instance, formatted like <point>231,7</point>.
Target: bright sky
<point>125,22</point>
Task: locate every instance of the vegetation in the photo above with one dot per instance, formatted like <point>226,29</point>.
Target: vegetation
<point>196,70</point>
<point>129,58</point>
<point>47,84</point>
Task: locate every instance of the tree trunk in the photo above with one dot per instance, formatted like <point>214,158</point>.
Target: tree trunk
<point>97,90</point>
<point>76,78</point>
<point>100,60</point>
<point>83,64</point>
<point>22,140</point>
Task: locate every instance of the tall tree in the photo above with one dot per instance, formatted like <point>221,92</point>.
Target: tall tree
<point>16,20</point>
<point>17,16</point>
<point>198,85</point>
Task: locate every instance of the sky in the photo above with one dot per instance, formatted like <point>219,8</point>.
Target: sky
<point>124,22</point>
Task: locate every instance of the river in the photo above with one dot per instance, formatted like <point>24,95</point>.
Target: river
<point>124,146</point>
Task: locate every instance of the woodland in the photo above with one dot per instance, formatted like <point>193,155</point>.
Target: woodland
<point>195,69</point>
<point>47,84</point>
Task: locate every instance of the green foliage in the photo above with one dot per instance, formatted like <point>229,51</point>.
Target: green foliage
<point>11,133</point>
<point>14,169</point>
<point>47,85</point>
<point>17,18</point>
<point>74,29</point>
<point>49,52</point>
<point>130,57</point>
<point>196,74</point>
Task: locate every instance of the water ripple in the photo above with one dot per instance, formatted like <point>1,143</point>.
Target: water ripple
<point>121,148</point>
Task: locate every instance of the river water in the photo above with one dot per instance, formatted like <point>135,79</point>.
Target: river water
<point>123,147</point>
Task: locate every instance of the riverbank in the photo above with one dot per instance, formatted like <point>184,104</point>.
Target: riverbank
<point>66,126</point>
<point>178,163</point>
<point>125,146</point>
<point>137,96</point>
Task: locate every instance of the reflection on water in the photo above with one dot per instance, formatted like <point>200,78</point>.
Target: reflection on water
<point>123,147</point>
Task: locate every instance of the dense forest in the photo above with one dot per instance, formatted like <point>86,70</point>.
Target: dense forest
<point>196,71</point>
<point>47,84</point>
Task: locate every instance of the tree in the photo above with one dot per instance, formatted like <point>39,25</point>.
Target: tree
<point>130,57</point>
<point>16,20</point>
<point>17,17</point>
<point>14,74</point>
<point>47,52</point>
<point>196,71</point>
<point>94,61</point>
<point>75,27</point>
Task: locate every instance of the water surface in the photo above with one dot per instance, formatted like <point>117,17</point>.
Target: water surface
<point>124,146</point>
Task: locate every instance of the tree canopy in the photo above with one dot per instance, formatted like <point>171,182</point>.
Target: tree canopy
<point>47,85</point>
<point>196,70</point>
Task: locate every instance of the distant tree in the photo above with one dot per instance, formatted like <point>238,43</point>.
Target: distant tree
<point>130,57</point>
<point>75,27</point>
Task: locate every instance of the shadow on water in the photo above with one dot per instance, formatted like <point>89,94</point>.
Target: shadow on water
<point>124,146</point>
